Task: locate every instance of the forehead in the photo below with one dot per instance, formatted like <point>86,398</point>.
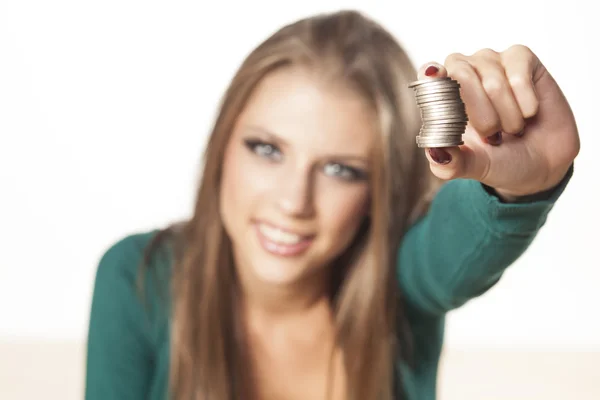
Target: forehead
<point>306,111</point>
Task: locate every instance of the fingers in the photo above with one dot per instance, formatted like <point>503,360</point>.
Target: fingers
<point>499,92</point>
<point>450,162</point>
<point>457,162</point>
<point>520,64</point>
<point>497,89</point>
<point>483,116</point>
<point>431,70</point>
<point>446,163</point>
<point>494,82</point>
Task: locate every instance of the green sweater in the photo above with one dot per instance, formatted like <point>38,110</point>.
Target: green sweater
<point>454,253</point>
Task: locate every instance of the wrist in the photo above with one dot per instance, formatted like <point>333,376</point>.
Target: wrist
<point>505,197</point>
<point>545,194</point>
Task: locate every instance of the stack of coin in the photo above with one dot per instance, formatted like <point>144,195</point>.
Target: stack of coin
<point>442,112</point>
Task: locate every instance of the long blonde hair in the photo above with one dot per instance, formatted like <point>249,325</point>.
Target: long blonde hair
<point>206,350</point>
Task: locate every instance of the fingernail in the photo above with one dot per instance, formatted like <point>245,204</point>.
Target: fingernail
<point>440,156</point>
<point>431,70</point>
<point>495,139</point>
<point>520,133</point>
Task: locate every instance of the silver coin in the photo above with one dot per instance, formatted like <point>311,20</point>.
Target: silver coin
<point>437,139</point>
<point>444,113</point>
<point>440,113</point>
<point>437,128</point>
<point>438,134</point>
<point>453,93</point>
<point>443,129</point>
<point>428,80</point>
<point>438,101</point>
<point>441,143</point>
<point>434,105</point>
<point>445,120</point>
<point>438,106</point>
<point>438,145</point>
<point>436,89</point>
<point>447,135</point>
<point>457,125</point>
<point>435,121</point>
<point>434,81</point>
<point>436,98</point>
<point>445,143</point>
<point>455,102</point>
<point>437,86</point>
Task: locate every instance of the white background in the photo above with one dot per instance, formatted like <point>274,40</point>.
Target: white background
<point>105,107</point>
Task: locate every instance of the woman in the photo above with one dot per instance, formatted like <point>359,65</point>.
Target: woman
<point>315,265</point>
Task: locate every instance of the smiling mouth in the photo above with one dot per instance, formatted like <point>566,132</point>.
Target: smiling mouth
<point>282,242</point>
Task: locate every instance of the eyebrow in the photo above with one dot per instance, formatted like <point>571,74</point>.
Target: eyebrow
<point>267,133</point>
<point>280,141</point>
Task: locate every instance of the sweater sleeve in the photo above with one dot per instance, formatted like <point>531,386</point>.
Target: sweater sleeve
<point>119,357</point>
<point>462,246</point>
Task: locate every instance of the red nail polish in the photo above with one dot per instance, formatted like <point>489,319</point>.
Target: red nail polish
<point>431,70</point>
<point>495,139</point>
<point>440,156</point>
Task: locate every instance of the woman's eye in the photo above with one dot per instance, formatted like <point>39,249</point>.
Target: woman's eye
<point>343,171</point>
<point>263,149</point>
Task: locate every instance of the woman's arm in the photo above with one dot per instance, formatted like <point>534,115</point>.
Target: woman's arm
<point>461,247</point>
<point>119,349</point>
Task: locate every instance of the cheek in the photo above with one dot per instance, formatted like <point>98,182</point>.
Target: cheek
<point>242,187</point>
<point>343,210</point>
<point>232,188</point>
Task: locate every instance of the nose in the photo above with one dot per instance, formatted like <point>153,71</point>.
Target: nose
<point>295,194</point>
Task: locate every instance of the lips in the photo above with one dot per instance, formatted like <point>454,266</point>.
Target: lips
<point>280,241</point>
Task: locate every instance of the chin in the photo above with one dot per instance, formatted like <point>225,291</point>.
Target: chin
<point>278,272</point>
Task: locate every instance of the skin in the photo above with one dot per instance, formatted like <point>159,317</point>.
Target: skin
<point>513,93</point>
<point>298,159</point>
<point>313,128</point>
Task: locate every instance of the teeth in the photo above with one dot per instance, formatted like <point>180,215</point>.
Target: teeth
<point>279,236</point>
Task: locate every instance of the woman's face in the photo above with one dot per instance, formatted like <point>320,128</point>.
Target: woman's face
<point>295,186</point>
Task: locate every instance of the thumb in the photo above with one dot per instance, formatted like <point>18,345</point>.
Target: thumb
<point>458,162</point>
<point>445,162</point>
<point>431,70</point>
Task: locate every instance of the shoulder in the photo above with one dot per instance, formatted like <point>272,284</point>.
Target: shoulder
<point>138,262</point>
<point>131,282</point>
<point>122,258</point>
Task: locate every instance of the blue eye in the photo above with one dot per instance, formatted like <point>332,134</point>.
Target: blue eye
<point>263,149</point>
<point>343,172</point>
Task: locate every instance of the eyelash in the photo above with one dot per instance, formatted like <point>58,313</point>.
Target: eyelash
<point>342,171</point>
<point>255,146</point>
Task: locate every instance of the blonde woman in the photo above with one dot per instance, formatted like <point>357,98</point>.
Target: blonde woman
<point>326,248</point>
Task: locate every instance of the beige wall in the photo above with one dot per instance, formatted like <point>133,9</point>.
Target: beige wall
<point>55,371</point>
